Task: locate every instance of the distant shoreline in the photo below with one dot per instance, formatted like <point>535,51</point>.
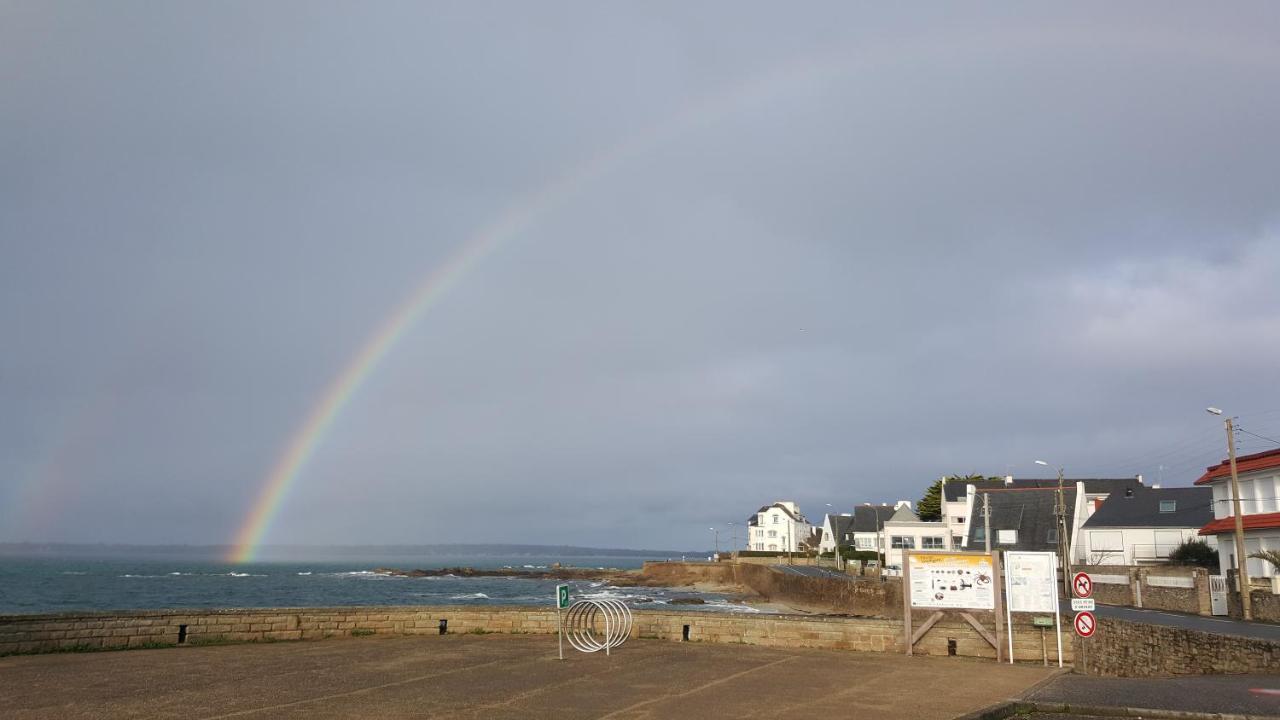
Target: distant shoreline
<point>475,549</point>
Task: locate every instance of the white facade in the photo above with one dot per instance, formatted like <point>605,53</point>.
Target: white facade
<point>1259,495</point>
<point>779,527</point>
<point>829,532</point>
<point>1129,546</point>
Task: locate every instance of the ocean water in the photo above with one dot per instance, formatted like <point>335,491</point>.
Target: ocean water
<point>64,584</point>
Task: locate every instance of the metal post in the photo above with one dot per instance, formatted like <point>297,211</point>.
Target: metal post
<point>1242,561</point>
<point>560,626</point>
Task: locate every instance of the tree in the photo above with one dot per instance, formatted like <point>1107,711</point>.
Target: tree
<point>930,506</point>
<point>1271,556</point>
<point>1195,552</point>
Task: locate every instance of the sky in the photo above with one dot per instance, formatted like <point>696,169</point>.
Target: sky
<point>744,252</point>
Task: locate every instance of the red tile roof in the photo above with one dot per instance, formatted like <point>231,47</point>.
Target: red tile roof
<point>1261,521</point>
<point>1244,463</point>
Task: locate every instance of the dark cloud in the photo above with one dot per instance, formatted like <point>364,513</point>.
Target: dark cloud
<point>825,255</point>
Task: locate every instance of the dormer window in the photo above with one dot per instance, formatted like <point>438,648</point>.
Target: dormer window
<point>1168,506</point>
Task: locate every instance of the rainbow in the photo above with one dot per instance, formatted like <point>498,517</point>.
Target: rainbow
<point>526,210</point>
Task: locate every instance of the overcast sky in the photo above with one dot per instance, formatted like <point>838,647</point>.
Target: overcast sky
<point>821,252</point>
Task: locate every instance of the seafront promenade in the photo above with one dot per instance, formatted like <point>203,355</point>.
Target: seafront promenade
<point>497,677</point>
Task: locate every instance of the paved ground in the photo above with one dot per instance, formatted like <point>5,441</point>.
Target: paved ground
<point>1199,693</point>
<point>497,677</point>
<point>1218,625</point>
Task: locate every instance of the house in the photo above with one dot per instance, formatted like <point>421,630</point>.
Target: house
<point>1259,475</point>
<point>1022,518</point>
<point>1143,525</point>
<point>779,527</point>
<point>861,530</point>
<point>906,531</point>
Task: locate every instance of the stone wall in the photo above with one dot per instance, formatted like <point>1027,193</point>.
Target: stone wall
<point>1141,592</point>
<point>83,631</point>
<point>1125,649</point>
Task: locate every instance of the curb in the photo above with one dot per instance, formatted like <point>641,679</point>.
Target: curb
<point>1022,707</point>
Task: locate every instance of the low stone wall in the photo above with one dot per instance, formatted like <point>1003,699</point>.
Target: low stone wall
<point>1125,649</point>
<point>1148,587</point>
<point>83,631</point>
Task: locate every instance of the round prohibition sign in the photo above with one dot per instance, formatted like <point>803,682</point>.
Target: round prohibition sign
<point>1082,584</point>
<point>1085,623</point>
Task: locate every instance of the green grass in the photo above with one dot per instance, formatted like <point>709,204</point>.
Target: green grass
<point>362,632</point>
<point>81,648</point>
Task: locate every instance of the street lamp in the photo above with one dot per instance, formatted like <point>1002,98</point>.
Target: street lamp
<point>1064,543</point>
<point>717,532</point>
<point>1242,564</point>
<point>733,534</point>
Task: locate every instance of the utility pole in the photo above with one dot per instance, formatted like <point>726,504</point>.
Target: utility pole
<point>986,520</point>
<point>1064,546</point>
<point>880,546</point>
<point>717,532</point>
<point>1242,563</point>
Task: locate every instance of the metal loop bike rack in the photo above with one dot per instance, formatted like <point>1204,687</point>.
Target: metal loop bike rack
<point>593,625</point>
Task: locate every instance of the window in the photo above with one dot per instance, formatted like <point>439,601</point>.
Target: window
<point>773,533</point>
<point>957,520</point>
<point>932,543</point>
<point>1168,506</point>
<point>865,543</point>
<point>775,519</point>
<point>902,542</point>
<point>1051,536</point>
<point>957,542</point>
<point>1007,537</point>
<point>980,534</point>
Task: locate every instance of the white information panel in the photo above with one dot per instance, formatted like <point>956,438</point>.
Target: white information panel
<point>1031,581</point>
<point>948,580</point>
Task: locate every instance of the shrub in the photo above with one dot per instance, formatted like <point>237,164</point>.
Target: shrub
<point>1195,552</point>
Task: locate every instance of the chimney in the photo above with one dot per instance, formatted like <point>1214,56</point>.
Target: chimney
<point>1156,486</point>
<point>1139,477</point>
<point>1008,480</point>
<point>1128,492</point>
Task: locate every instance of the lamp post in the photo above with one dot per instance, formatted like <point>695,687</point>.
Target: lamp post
<point>733,534</point>
<point>1242,563</point>
<point>1064,543</point>
<point>717,532</point>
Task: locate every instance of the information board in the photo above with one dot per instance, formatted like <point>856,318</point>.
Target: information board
<point>1031,581</point>
<point>952,580</point>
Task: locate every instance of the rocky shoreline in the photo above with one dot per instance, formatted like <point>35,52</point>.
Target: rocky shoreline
<point>613,576</point>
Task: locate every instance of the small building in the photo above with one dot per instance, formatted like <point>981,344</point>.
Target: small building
<point>1143,525</point>
<point>779,527</point>
<point>906,531</point>
<point>1259,475</point>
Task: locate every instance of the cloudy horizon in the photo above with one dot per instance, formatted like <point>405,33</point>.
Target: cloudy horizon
<point>732,254</point>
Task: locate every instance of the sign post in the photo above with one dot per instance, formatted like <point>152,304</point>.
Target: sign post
<point>1031,585</point>
<point>1084,623</point>
<point>948,581</point>
<point>562,602</point>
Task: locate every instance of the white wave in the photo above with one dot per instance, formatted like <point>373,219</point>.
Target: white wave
<point>472,596</point>
<point>73,572</point>
<point>305,573</point>
<point>140,576</point>
<point>236,574</point>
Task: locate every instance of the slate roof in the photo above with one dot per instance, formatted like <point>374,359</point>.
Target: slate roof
<point>904,514</point>
<point>842,523</point>
<point>1030,511</point>
<point>955,491</point>
<point>753,520</point>
<point>1244,463</point>
<point>871,518</point>
<point>1142,509</point>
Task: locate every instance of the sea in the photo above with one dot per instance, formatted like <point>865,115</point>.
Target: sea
<point>106,581</point>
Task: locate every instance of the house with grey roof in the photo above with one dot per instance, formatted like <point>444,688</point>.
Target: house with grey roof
<point>1143,525</point>
<point>863,529</point>
<point>779,527</point>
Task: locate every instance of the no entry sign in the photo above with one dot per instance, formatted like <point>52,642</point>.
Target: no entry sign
<point>1082,584</point>
<point>1085,623</point>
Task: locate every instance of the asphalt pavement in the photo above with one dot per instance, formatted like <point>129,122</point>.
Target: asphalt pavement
<point>1216,625</point>
<point>1230,694</point>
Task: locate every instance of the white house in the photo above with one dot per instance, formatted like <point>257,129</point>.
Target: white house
<point>1143,525</point>
<point>1259,475</point>
<point>779,527</point>
<point>906,531</point>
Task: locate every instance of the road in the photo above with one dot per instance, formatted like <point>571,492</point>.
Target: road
<point>1231,694</point>
<point>1216,625</point>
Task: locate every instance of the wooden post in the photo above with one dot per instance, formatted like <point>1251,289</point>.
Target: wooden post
<point>906,600</point>
<point>997,573</point>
